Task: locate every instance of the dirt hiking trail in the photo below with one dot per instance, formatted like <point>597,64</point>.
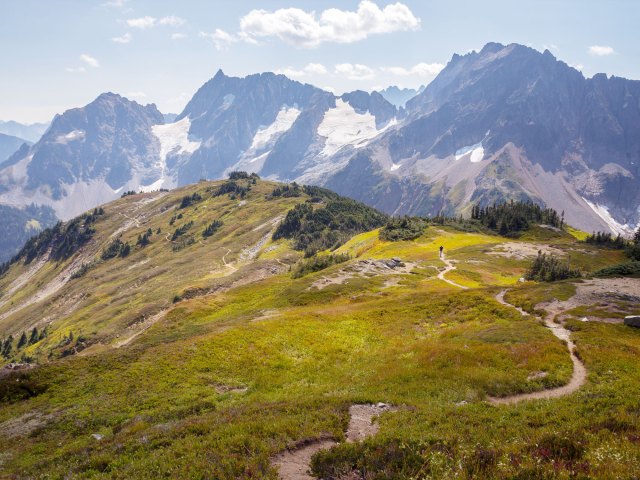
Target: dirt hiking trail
<point>448,268</point>
<point>294,464</point>
<point>579,376</point>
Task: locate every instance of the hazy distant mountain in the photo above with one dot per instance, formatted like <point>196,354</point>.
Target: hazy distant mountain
<point>169,117</point>
<point>88,156</point>
<point>20,224</point>
<point>506,122</point>
<point>400,96</point>
<point>31,132</point>
<point>9,145</point>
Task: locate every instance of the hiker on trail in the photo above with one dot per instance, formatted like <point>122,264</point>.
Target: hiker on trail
<point>441,249</point>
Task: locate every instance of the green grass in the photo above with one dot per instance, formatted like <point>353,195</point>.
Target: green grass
<point>245,369</point>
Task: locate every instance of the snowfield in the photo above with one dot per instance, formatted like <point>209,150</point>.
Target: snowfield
<point>267,135</point>
<point>603,212</point>
<point>475,152</point>
<point>343,126</point>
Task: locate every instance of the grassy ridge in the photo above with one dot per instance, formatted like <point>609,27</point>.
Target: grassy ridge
<point>225,380</point>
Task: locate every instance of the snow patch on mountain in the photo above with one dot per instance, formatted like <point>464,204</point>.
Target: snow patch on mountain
<point>266,135</point>
<point>71,136</point>
<point>603,212</point>
<point>174,139</point>
<point>343,126</point>
<point>475,153</point>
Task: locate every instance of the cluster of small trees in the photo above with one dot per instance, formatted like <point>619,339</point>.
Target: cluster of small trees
<point>548,268</point>
<point>241,175</point>
<point>212,228</point>
<point>232,188</point>
<point>190,200</point>
<point>404,228</point>
<point>143,240</point>
<point>633,249</point>
<point>514,217</point>
<point>606,239</point>
<point>181,230</point>
<point>329,226</point>
<point>287,191</point>
<point>317,263</point>
<point>116,248</point>
<point>26,339</point>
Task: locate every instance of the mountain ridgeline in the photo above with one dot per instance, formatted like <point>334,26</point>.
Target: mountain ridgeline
<point>505,123</point>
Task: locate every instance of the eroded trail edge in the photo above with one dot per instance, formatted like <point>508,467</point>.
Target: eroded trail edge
<point>294,464</point>
<point>579,376</point>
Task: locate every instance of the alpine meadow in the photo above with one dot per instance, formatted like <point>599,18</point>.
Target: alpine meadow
<point>378,259</point>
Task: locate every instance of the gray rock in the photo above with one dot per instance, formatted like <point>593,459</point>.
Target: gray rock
<point>632,321</point>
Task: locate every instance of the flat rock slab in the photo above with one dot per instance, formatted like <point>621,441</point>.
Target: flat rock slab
<point>632,321</point>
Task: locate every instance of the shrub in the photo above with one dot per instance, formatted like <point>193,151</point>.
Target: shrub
<point>547,268</point>
<point>629,269</point>
<point>181,230</point>
<point>317,263</point>
<point>405,228</point>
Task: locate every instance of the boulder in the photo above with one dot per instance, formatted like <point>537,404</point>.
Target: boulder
<point>632,321</point>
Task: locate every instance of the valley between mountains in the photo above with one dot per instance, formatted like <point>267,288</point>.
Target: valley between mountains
<point>245,328</point>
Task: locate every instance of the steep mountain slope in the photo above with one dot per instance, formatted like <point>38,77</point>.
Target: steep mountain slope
<point>17,225</point>
<point>31,132</point>
<point>210,356</point>
<point>9,145</point>
<point>87,156</point>
<point>510,122</point>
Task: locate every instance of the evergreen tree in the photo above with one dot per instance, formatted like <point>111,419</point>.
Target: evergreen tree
<point>23,340</point>
<point>34,336</point>
<point>7,346</point>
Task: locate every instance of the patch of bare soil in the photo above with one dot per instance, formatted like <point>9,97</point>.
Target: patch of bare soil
<point>24,425</point>
<point>294,464</point>
<point>365,268</point>
<point>522,250</point>
<point>138,329</point>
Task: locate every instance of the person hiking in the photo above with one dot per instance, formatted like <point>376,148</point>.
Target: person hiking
<point>441,249</point>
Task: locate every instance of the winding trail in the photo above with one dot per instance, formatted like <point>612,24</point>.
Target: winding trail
<point>449,267</point>
<point>579,376</point>
<point>294,464</point>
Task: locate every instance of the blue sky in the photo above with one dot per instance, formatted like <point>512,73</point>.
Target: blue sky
<point>59,54</point>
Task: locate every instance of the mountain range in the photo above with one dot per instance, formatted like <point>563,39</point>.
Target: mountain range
<point>507,122</point>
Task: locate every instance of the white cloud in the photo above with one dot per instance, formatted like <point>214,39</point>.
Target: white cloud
<point>221,39</point>
<point>309,69</point>
<point>178,36</point>
<point>550,47</point>
<point>419,70</point>
<point>172,21</point>
<point>305,29</point>
<point>600,50</point>
<point>149,22</point>
<point>142,22</point>
<point>126,38</point>
<point>578,66</point>
<point>76,69</point>
<point>89,60</point>
<point>354,71</point>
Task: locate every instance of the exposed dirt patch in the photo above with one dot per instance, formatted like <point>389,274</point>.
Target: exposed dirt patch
<point>365,268</point>
<point>221,389</point>
<point>24,425</point>
<point>522,250</point>
<point>138,329</point>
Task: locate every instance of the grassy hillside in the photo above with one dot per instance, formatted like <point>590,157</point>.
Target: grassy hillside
<point>203,357</point>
